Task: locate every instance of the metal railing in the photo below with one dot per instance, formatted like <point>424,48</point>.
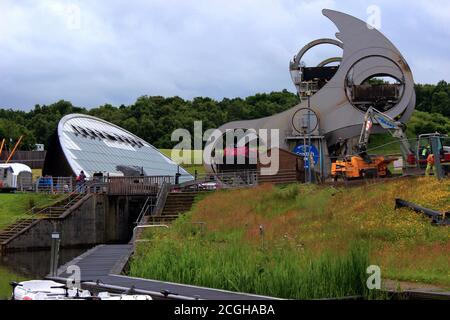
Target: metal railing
<point>161,198</point>
<point>56,184</point>
<point>231,179</point>
<point>140,185</point>
<point>145,208</point>
<point>240,179</point>
<point>136,185</point>
<point>140,227</point>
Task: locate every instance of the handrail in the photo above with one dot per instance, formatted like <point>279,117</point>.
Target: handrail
<point>143,211</point>
<point>161,198</point>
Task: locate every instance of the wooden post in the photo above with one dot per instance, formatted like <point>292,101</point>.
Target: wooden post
<point>14,150</point>
<point>1,147</point>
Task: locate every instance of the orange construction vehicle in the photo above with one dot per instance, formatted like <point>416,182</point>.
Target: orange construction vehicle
<point>363,165</point>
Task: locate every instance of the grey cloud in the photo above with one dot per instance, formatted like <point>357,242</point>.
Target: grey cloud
<point>187,48</point>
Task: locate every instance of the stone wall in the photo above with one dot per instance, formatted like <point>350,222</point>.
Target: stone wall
<point>95,219</point>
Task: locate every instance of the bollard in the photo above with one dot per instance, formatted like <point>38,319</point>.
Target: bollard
<point>54,254</point>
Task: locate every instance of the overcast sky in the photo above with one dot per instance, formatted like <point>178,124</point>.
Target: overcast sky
<point>109,51</point>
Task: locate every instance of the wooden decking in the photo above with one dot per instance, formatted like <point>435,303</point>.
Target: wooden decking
<point>104,263</point>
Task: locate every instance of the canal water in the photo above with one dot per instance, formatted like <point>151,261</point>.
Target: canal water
<point>27,265</point>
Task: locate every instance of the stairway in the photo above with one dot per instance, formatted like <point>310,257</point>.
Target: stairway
<point>15,228</point>
<point>283,177</point>
<point>176,204</point>
<point>36,214</point>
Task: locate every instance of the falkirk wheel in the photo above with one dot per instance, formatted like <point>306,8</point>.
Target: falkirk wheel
<point>334,99</point>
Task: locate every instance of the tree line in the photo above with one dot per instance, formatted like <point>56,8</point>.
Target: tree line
<point>153,118</point>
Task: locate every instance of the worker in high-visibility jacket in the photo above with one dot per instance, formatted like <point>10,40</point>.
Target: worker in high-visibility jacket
<point>430,165</point>
<point>426,151</point>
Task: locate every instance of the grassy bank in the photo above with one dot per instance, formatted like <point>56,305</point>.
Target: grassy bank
<point>285,272</point>
<point>317,241</point>
<point>5,278</point>
<point>14,205</point>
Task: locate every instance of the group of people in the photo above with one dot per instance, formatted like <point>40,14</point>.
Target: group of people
<point>97,179</point>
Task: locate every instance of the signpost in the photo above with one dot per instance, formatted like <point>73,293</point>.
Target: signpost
<point>308,152</point>
<point>54,255</point>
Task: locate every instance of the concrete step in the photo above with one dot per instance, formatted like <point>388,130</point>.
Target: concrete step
<point>169,216</point>
<point>15,226</point>
<point>175,211</point>
<point>7,235</point>
<point>21,222</point>
<point>57,209</point>
<point>179,200</point>
<point>183,194</point>
<point>161,220</point>
<point>188,193</point>
<point>178,205</point>
<point>181,197</point>
<point>59,212</point>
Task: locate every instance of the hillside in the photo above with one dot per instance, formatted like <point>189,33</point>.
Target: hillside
<point>310,232</point>
<point>154,118</point>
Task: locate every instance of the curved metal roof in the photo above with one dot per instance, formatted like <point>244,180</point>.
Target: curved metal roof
<point>95,145</point>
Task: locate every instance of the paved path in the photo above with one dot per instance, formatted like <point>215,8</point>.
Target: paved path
<point>105,262</point>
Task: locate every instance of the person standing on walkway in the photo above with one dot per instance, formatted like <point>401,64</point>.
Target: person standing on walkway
<point>81,179</point>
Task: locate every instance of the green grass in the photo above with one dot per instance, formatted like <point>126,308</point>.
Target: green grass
<point>5,278</point>
<point>285,273</point>
<point>190,167</point>
<point>310,234</point>
<point>15,205</point>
